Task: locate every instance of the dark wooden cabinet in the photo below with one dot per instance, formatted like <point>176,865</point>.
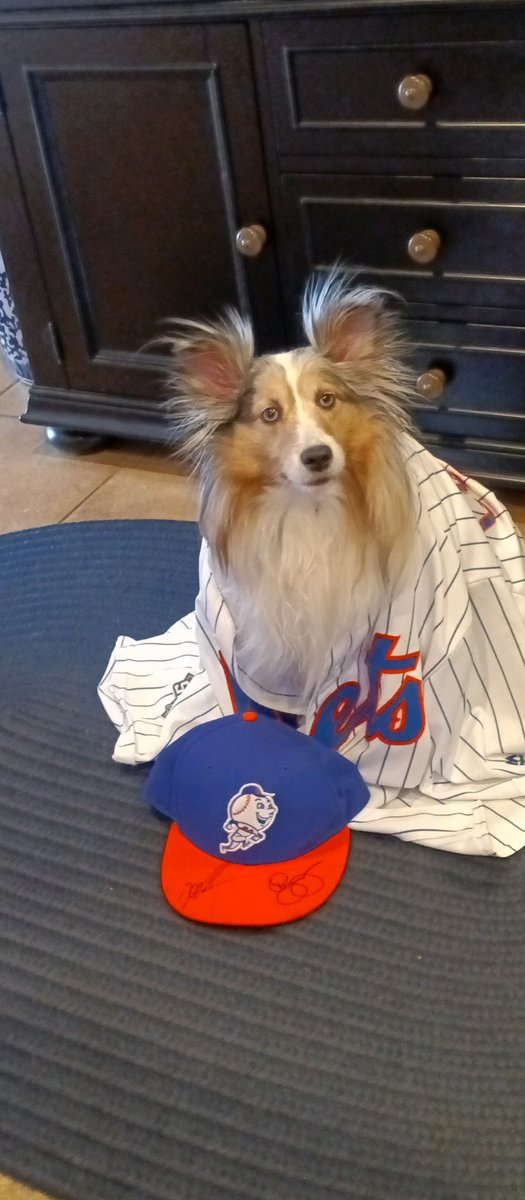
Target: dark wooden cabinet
<point>134,143</point>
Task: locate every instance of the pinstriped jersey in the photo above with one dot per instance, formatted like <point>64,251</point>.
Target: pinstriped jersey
<point>427,697</point>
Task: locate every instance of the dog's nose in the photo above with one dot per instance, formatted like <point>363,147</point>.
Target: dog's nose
<point>317,458</point>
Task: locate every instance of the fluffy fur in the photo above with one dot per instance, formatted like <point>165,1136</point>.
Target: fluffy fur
<point>303,549</point>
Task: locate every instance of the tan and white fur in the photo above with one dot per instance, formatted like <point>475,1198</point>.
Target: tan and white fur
<point>305,499</point>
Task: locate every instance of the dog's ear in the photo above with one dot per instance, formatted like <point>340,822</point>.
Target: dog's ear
<point>212,363</point>
<point>345,323</point>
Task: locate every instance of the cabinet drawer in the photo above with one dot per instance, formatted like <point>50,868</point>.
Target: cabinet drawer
<point>334,84</point>
<point>370,222</point>
<point>483,372</point>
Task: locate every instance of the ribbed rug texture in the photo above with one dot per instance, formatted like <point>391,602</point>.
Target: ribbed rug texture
<point>374,1050</point>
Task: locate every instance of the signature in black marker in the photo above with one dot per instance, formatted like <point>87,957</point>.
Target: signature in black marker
<point>291,888</point>
<point>193,891</point>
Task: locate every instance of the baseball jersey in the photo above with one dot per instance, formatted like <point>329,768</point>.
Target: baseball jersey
<point>426,696</point>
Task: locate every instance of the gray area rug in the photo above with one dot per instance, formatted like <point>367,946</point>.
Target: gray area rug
<point>374,1050</point>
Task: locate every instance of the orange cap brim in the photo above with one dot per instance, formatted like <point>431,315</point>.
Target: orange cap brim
<point>224,892</point>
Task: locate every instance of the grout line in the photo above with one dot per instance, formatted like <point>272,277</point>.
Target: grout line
<point>86,497</point>
<point>9,388</point>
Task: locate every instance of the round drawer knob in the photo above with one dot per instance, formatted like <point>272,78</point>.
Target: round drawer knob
<point>424,247</point>
<point>414,91</point>
<point>250,240</point>
<point>431,384</point>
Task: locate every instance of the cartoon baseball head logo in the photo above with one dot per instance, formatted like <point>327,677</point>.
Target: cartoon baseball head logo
<point>250,813</point>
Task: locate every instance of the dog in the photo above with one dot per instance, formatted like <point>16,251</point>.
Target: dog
<point>305,500</point>
<point>351,583</point>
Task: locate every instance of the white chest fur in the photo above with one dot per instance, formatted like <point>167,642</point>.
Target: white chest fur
<point>298,587</point>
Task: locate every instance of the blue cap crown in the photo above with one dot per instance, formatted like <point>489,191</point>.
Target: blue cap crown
<point>256,791</point>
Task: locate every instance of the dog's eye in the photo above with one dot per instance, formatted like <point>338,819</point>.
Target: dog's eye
<point>326,400</point>
<point>271,414</point>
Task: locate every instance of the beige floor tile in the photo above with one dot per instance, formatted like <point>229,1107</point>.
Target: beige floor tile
<point>35,490</point>
<point>10,1190</point>
<point>13,402</point>
<point>132,495</point>
<point>17,441</point>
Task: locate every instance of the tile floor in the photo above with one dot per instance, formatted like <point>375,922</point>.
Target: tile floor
<point>40,485</point>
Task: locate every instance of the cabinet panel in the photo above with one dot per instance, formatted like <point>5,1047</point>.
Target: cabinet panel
<point>335,83</point>
<point>138,163</point>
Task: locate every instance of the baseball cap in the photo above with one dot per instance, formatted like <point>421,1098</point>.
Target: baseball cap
<point>260,818</point>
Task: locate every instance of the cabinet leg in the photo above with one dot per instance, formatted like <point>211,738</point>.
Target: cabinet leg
<point>72,439</point>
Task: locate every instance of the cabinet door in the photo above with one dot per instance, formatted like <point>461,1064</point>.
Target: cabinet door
<point>139,154</point>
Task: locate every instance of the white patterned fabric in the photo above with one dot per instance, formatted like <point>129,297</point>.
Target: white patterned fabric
<point>11,340</point>
<point>427,697</point>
